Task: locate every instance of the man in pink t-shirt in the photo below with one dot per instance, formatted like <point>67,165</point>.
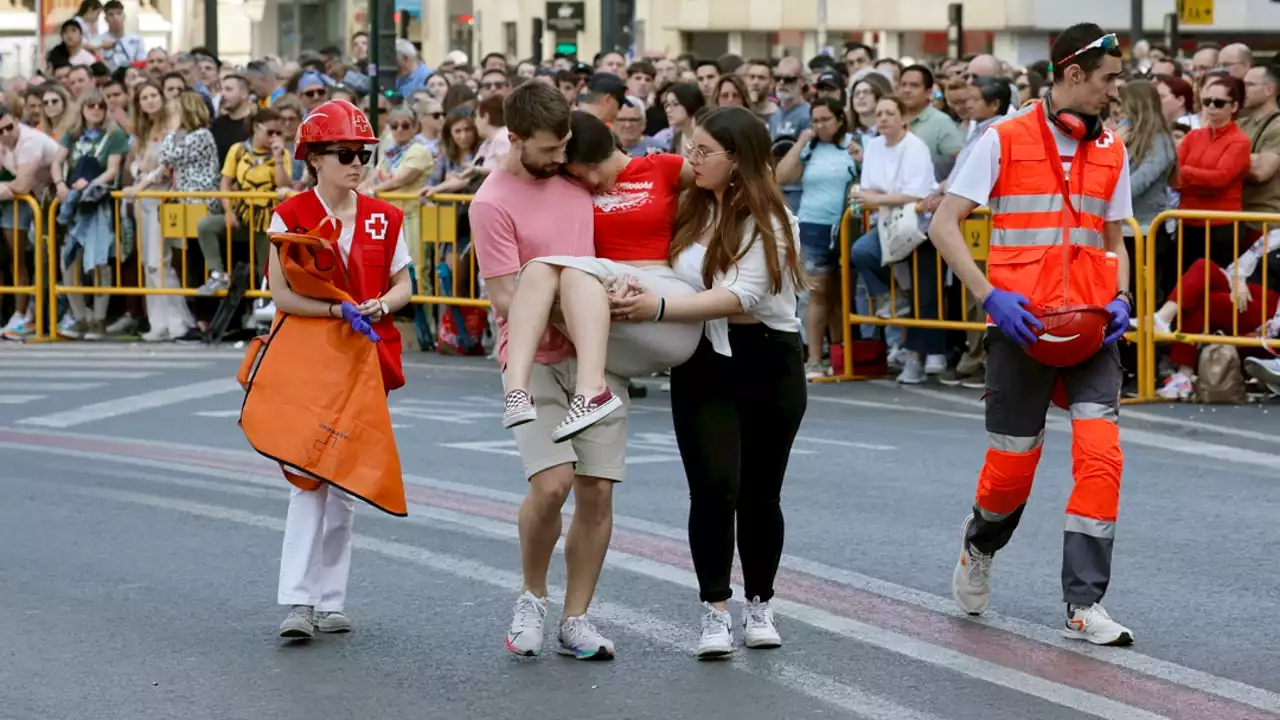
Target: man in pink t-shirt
<point>26,161</point>
<point>524,210</point>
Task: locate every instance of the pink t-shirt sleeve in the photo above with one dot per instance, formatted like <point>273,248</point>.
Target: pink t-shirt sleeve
<point>494,239</point>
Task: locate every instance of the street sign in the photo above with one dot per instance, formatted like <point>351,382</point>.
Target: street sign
<point>1195,12</point>
<point>566,48</point>
<point>567,16</point>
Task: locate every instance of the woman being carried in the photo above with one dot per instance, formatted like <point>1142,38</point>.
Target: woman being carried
<point>635,211</point>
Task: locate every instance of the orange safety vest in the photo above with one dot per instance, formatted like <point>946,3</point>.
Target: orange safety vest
<point>1042,246</point>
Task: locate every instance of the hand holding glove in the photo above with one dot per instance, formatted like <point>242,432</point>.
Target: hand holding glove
<point>353,316</point>
<point>1119,324</point>
<point>1010,313</point>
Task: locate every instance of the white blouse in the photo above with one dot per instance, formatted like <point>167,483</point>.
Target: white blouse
<point>748,278</point>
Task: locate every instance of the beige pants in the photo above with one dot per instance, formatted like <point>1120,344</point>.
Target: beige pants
<point>599,451</point>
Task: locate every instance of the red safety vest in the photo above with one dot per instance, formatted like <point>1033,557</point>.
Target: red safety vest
<point>1047,228</point>
<point>368,266</point>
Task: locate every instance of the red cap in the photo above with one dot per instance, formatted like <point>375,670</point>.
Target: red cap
<point>332,122</point>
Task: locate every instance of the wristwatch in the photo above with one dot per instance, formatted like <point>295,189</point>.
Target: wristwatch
<point>1127,297</point>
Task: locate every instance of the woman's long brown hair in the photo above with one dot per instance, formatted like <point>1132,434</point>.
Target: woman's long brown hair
<point>753,193</point>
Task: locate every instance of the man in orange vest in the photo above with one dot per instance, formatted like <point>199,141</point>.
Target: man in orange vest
<point>1057,183</point>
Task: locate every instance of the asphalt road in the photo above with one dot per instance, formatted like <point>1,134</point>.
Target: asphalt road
<point>140,542</point>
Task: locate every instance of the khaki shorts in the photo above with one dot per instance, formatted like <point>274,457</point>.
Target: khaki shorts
<point>599,451</point>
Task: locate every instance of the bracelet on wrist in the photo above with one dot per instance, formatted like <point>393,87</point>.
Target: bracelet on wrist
<point>662,309</point>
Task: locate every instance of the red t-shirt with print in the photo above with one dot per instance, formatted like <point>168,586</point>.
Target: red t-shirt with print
<point>635,220</point>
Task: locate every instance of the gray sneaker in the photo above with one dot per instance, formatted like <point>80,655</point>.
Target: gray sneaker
<point>333,622</point>
<point>301,623</point>
<point>217,282</point>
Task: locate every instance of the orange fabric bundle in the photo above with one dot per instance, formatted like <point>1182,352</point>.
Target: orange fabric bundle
<point>314,397</point>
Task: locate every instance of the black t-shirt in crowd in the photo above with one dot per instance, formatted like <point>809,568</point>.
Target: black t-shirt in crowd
<point>655,118</point>
<point>227,132</point>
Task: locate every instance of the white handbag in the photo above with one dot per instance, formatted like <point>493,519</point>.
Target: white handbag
<point>899,225</point>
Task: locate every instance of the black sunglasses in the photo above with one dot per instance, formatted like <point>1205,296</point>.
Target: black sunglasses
<point>319,92</point>
<point>1219,103</point>
<point>346,156</point>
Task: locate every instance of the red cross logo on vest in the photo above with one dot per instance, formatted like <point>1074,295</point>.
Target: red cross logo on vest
<point>376,226</point>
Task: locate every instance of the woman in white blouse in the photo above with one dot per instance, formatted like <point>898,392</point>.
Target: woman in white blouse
<point>897,169</point>
<point>738,402</point>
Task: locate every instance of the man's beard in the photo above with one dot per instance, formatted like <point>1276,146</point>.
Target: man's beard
<point>542,172</point>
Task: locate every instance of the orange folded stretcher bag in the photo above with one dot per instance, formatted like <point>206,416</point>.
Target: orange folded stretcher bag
<point>314,399</point>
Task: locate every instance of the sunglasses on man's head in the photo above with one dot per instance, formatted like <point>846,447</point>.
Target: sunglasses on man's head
<point>346,156</point>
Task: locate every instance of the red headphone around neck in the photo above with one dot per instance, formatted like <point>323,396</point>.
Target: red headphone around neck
<point>1074,125</point>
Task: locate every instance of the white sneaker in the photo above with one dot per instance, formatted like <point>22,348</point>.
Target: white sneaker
<point>300,625</point>
<point>1265,371</point>
<point>758,630</point>
<point>1179,386</point>
<point>525,636</point>
<point>912,370</point>
<point>333,622</point>
<point>579,638</point>
<point>1092,623</point>
<point>717,634</point>
<point>935,364</point>
<point>18,327</point>
<point>971,581</point>
<point>897,356</point>
<point>156,335</point>
<point>123,325</point>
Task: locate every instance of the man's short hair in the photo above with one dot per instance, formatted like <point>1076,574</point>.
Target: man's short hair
<point>405,48</point>
<point>500,56</point>
<point>1071,41</point>
<point>705,62</point>
<point>85,68</point>
<point>536,107</point>
<point>258,68</point>
<point>761,62</point>
<point>244,82</point>
<point>851,46</point>
<point>642,67</point>
<point>494,71</point>
<point>1271,74</point>
<point>994,90</point>
<point>925,73</point>
<point>492,108</point>
<point>113,5</point>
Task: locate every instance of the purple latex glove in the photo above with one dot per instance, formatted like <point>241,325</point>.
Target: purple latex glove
<point>358,323</point>
<point>1010,313</point>
<point>1119,324</point>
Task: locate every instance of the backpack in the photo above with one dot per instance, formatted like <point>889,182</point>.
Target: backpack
<point>1219,376</point>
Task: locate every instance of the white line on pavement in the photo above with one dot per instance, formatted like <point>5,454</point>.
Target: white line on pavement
<point>102,364</point>
<point>112,352</point>
<point>19,399</point>
<point>1164,670</point>
<point>846,443</point>
<point>50,386</point>
<point>1059,423</point>
<point>134,403</point>
<point>77,374</point>
<point>637,622</point>
<point>217,413</point>
<point>487,369</point>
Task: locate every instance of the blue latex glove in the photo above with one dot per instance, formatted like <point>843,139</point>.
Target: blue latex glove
<point>1010,313</point>
<point>358,322</point>
<point>1119,324</point>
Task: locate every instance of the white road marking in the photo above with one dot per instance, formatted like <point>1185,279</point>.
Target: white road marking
<point>1147,665</point>
<point>846,443</point>
<point>135,403</point>
<point>1125,412</point>
<point>77,374</point>
<point>19,399</point>
<point>1058,422</point>
<point>50,386</point>
<point>102,364</point>
<point>217,413</point>
<point>633,621</point>
<point>113,352</point>
<point>488,369</point>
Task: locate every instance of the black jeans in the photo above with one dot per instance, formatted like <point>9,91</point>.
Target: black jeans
<point>735,419</point>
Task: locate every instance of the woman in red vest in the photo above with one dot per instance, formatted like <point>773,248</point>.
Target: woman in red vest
<point>334,140</point>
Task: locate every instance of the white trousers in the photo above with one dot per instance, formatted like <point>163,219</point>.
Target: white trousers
<point>316,559</point>
<point>167,312</point>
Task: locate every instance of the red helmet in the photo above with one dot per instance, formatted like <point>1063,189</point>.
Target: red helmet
<point>332,122</point>
<point>1071,334</point>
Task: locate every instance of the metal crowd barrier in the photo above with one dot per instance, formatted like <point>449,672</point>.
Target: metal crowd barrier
<point>1248,337</point>
<point>443,253</point>
<point>16,244</point>
<point>977,231</point>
